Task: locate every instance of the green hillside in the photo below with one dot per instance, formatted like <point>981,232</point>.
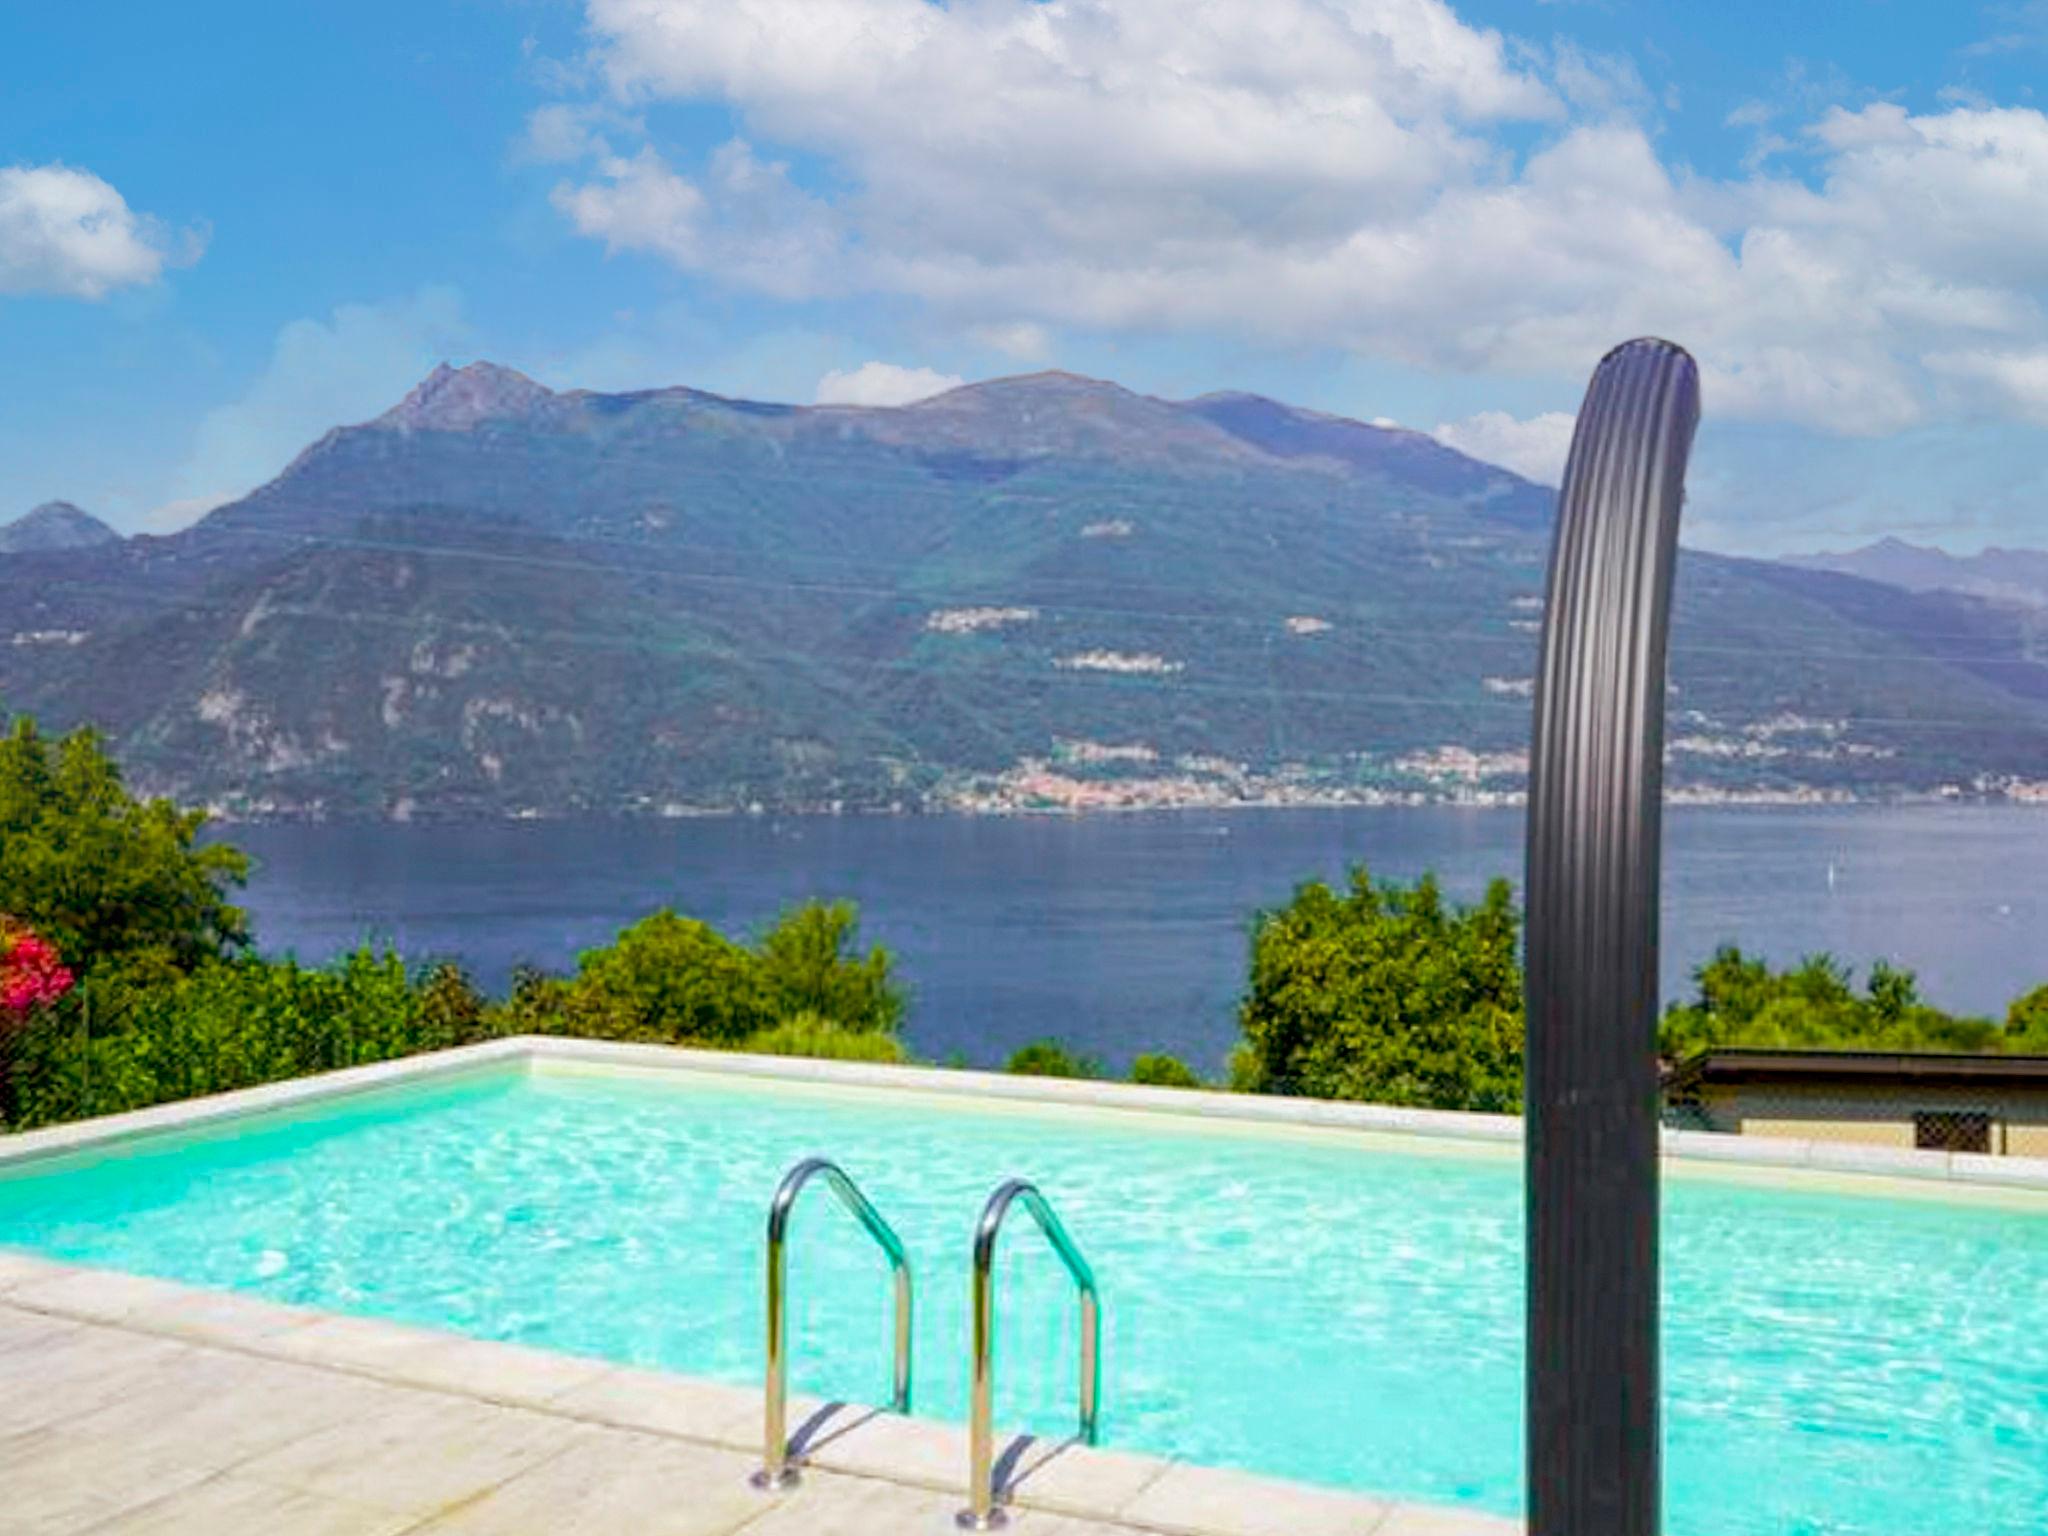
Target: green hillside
<point>498,600</point>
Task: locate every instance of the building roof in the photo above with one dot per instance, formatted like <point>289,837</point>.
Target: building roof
<point>1873,1068</point>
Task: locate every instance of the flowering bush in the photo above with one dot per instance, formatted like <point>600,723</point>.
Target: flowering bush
<point>31,973</point>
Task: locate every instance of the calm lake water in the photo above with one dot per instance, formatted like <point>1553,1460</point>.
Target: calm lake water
<point>1129,933</point>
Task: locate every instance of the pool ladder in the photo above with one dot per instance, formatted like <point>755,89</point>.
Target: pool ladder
<point>776,1471</point>
<point>984,1511</point>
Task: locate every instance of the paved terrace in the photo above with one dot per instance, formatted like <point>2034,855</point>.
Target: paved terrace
<point>134,1407</point>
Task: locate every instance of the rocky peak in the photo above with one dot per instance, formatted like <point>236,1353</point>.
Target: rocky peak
<point>55,525</point>
<point>457,399</point>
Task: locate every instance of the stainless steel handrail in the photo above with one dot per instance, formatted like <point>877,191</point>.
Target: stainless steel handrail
<point>983,1513</point>
<point>776,1470</point>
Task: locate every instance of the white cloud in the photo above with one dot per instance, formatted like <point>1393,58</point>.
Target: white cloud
<point>995,140</point>
<point>1024,340</point>
<point>67,232</point>
<point>754,224</point>
<point>1321,172</point>
<point>1198,86</point>
<point>562,131</point>
<point>2023,28</point>
<point>640,205</point>
<point>355,364</point>
<point>1961,195</point>
<point>2018,380</point>
<point>884,384</point>
<point>1597,82</point>
<point>1535,448</point>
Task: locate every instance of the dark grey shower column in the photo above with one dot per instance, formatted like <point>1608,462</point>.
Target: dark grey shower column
<point>1595,791</point>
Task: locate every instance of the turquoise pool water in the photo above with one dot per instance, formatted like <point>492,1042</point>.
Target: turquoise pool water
<point>1837,1364</point>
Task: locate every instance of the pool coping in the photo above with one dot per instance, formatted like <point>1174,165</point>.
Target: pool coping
<point>1115,1492</point>
<point>1501,1131</point>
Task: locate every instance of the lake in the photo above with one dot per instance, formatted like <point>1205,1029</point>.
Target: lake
<point>1122,934</point>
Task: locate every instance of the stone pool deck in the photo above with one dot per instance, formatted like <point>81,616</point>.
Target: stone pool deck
<point>135,1407</point>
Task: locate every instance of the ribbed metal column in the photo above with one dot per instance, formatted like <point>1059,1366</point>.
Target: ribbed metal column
<point>1595,792</point>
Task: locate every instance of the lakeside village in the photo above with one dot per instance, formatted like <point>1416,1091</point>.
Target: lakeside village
<point>1073,782</point>
<point>1085,776</point>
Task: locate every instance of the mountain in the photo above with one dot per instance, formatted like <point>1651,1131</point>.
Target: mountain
<point>2008,575</point>
<point>1392,453</point>
<point>458,399</point>
<point>502,599</point>
<point>54,525</point>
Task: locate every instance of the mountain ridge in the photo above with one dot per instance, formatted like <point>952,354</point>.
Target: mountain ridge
<point>499,599</point>
<point>2012,575</point>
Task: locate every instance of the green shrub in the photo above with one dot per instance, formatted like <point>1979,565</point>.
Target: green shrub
<point>808,1034</point>
<point>451,1011</point>
<point>1050,1058</point>
<point>116,1044</point>
<point>133,1036</point>
<point>676,981</point>
<point>1244,1074</point>
<point>1158,1070</point>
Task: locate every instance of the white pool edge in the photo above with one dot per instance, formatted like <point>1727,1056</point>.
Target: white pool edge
<point>22,1147</point>
<point>1705,1148</point>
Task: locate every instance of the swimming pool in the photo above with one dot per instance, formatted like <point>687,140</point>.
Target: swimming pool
<point>1306,1304</point>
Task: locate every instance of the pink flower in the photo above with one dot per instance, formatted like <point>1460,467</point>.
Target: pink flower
<point>32,975</point>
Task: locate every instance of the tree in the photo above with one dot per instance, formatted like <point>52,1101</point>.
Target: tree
<point>2026,1023</point>
<point>1740,1001</point>
<point>808,965</point>
<point>1386,993</point>
<point>110,880</point>
<point>674,979</point>
<point>669,978</point>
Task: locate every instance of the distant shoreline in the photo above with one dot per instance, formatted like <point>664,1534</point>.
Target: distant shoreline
<point>1688,798</point>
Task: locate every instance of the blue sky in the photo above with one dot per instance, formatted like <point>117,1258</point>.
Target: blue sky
<point>226,227</point>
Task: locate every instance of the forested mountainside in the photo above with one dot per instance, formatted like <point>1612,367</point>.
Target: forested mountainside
<point>497,599</point>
